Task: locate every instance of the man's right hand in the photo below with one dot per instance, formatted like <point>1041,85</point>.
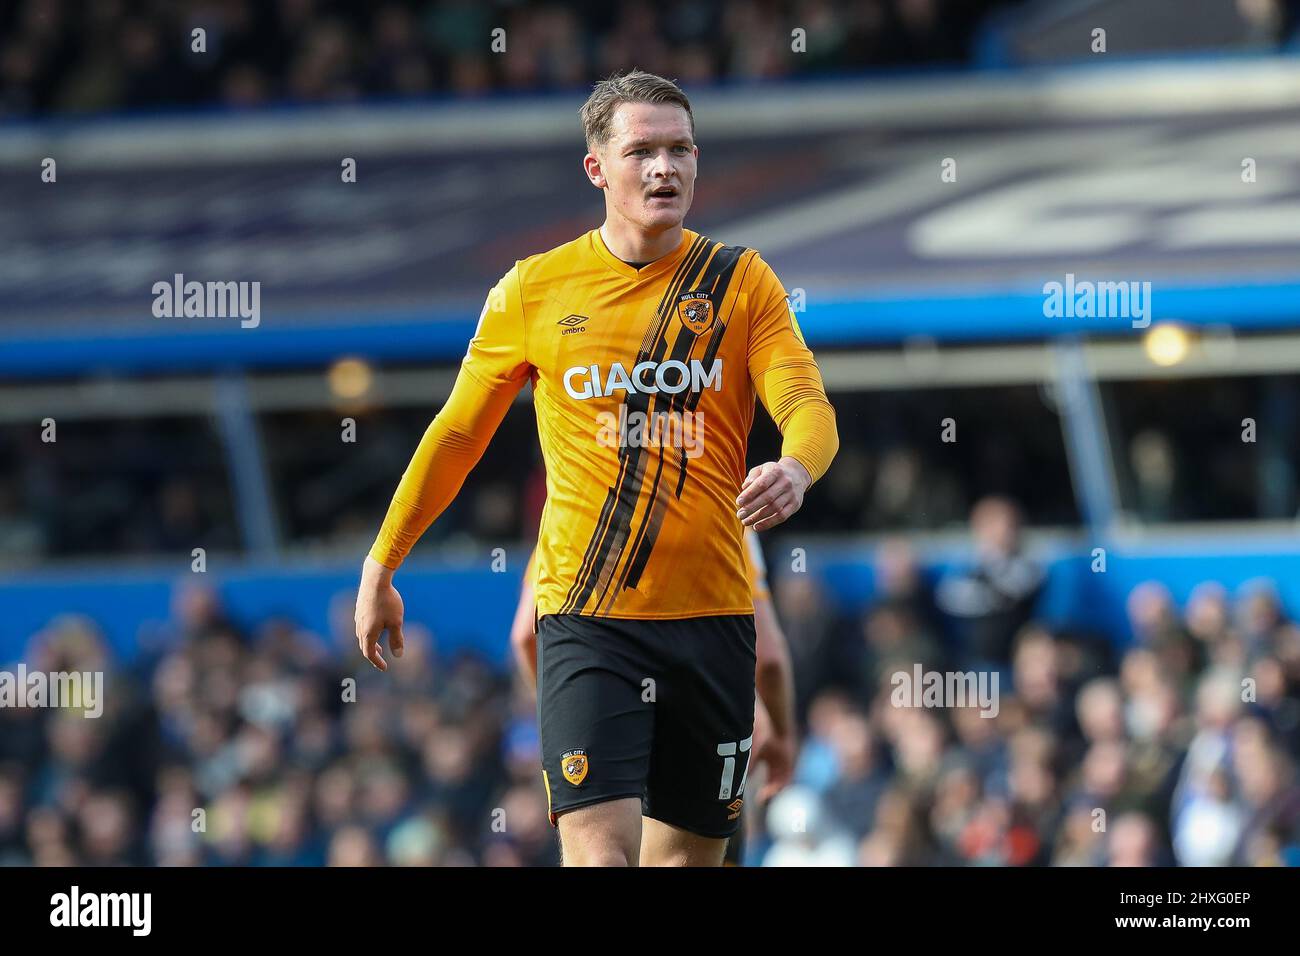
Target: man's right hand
<point>379,608</point>
<point>774,751</point>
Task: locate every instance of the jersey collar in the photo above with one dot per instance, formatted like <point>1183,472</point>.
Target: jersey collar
<point>658,267</point>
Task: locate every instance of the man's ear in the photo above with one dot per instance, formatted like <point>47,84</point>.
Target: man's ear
<point>591,166</point>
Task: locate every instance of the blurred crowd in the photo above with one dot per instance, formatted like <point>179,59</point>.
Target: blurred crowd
<point>65,55</point>
<point>223,746</point>
<point>1179,748</point>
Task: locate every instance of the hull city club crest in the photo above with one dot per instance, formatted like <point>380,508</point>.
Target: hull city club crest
<point>695,309</point>
<point>574,764</point>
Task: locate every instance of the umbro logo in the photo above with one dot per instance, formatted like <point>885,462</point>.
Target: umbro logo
<point>574,323</point>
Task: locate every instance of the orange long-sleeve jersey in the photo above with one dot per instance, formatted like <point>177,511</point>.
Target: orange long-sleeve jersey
<point>644,385</point>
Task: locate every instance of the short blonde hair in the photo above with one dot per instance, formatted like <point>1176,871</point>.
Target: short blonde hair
<point>636,86</point>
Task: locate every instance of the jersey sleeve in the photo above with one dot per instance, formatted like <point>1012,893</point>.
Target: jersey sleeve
<point>785,375</point>
<point>492,372</point>
<point>497,354</point>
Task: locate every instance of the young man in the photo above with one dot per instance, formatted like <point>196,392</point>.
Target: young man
<point>646,641</point>
<point>775,746</point>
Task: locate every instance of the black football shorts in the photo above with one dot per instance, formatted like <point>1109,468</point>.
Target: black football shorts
<point>660,710</point>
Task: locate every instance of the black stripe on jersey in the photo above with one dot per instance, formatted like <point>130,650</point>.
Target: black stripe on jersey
<point>681,350</point>
<point>720,328</point>
<point>719,273</point>
<point>620,500</point>
<point>715,343</point>
<point>665,309</point>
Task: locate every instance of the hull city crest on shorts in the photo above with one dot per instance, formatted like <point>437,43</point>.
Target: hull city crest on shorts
<point>695,309</point>
<point>574,764</point>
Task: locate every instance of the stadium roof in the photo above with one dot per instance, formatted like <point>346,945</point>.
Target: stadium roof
<point>1187,177</point>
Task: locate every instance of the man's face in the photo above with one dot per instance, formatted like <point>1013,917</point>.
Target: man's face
<point>647,166</point>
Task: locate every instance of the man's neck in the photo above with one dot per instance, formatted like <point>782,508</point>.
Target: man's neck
<point>631,245</point>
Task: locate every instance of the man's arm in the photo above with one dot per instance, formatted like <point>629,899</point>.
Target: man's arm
<point>491,375</point>
<point>774,678</point>
<point>789,384</point>
<point>774,723</point>
<point>523,638</point>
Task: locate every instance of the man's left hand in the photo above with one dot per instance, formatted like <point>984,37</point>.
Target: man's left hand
<point>771,493</point>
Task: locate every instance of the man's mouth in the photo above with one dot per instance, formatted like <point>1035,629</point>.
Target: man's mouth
<point>664,192</point>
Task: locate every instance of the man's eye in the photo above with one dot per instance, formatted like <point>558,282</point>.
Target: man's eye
<point>682,148</point>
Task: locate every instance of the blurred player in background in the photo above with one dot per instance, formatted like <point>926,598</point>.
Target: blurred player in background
<point>776,743</point>
<point>634,331</point>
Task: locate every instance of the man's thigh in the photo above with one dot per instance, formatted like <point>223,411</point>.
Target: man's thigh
<point>663,844</point>
<point>601,834</point>
<point>704,727</point>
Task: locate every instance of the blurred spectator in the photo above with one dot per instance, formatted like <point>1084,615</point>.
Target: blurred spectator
<point>1154,473</point>
<point>1134,842</point>
<point>990,602</point>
